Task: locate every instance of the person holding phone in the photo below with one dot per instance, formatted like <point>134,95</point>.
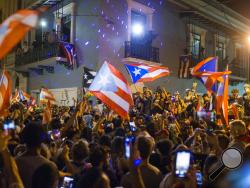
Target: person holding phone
<point>183,172</point>
<point>151,175</point>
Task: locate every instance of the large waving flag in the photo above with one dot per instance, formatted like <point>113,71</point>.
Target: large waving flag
<point>222,98</point>
<point>111,87</point>
<point>206,71</point>
<point>13,29</point>
<point>146,73</point>
<point>47,97</point>
<point>5,92</point>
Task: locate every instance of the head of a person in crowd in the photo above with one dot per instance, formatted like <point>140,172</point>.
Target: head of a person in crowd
<point>94,178</point>
<point>33,135</point>
<point>105,142</point>
<point>87,134</point>
<point>117,146</point>
<point>223,141</point>
<point>55,123</point>
<point>164,147</point>
<point>140,121</point>
<point>97,157</point>
<point>45,176</point>
<point>238,129</point>
<point>120,132</point>
<point>145,147</point>
<point>80,151</point>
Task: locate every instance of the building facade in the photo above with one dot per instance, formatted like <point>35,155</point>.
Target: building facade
<point>119,31</point>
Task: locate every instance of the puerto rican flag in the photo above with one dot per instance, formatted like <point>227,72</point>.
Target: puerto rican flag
<point>67,55</point>
<point>146,73</point>
<point>206,71</point>
<point>14,28</point>
<point>47,97</point>
<point>111,87</point>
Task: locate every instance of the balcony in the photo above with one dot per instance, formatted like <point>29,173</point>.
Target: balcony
<point>36,55</point>
<point>141,51</point>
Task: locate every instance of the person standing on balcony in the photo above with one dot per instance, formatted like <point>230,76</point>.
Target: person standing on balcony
<point>25,47</point>
<point>52,37</point>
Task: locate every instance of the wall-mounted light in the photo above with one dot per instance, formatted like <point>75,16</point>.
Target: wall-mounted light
<point>43,23</point>
<point>137,29</point>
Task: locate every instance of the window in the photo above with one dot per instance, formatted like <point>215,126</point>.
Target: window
<point>195,44</point>
<point>220,50</point>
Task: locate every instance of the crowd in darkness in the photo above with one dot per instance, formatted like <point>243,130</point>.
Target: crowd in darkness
<point>90,146</point>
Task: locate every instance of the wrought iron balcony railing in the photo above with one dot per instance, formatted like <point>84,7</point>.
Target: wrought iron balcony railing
<point>37,54</point>
<point>141,51</point>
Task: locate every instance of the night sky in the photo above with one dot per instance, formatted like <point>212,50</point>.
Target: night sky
<point>240,6</point>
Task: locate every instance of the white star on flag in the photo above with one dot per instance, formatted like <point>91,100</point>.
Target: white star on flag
<point>137,71</point>
<point>85,76</point>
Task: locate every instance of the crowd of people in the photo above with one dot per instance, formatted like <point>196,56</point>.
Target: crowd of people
<point>168,141</point>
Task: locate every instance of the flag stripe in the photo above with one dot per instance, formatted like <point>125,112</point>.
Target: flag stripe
<point>109,102</point>
<point>125,96</point>
<point>117,99</point>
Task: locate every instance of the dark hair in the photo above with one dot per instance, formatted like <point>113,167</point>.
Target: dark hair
<point>105,140</point>
<point>87,134</point>
<point>164,146</point>
<point>33,135</point>
<point>223,141</point>
<point>55,123</point>
<point>117,145</point>
<point>144,146</point>
<point>97,156</point>
<point>80,150</point>
<point>45,176</point>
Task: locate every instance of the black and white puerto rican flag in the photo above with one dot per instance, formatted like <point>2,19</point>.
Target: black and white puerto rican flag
<point>185,65</point>
<point>88,76</point>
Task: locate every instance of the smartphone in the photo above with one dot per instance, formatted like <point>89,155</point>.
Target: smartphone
<point>68,182</point>
<point>10,124</point>
<point>199,178</point>
<point>182,164</point>
<point>127,147</point>
<point>132,126</point>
